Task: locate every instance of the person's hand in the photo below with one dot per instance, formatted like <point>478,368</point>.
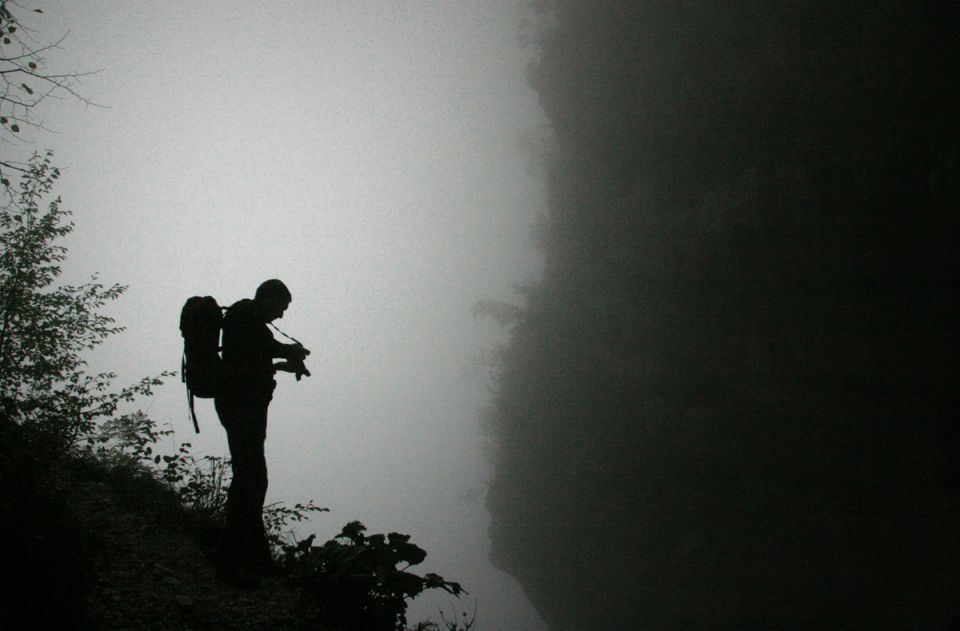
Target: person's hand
<point>296,353</point>
<point>295,367</point>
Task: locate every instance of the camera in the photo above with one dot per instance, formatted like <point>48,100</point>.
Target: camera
<point>293,361</point>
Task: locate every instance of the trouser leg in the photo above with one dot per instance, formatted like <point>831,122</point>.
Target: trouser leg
<point>244,535</point>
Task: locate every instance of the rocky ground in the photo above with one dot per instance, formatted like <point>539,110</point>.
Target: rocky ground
<point>89,547</point>
<point>98,543</point>
<point>150,573</point>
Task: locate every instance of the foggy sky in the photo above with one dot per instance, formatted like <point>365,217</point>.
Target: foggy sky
<point>369,154</point>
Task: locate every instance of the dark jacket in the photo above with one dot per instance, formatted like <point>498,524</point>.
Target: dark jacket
<point>248,352</point>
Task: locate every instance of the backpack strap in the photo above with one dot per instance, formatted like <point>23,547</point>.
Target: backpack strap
<point>183,378</point>
<point>193,413</point>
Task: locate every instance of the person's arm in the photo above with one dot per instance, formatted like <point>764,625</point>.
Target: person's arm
<point>294,354</point>
<point>290,352</point>
<point>278,349</point>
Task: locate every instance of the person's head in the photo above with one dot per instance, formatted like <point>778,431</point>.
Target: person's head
<point>273,297</point>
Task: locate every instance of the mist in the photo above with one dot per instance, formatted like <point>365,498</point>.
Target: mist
<point>369,154</point>
<point>635,315</point>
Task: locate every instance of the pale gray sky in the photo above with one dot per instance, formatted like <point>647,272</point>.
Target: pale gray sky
<point>369,154</point>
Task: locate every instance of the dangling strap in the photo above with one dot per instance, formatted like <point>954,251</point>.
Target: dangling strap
<point>183,378</point>
<point>193,413</point>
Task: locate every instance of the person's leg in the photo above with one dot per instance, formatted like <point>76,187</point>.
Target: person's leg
<point>244,536</point>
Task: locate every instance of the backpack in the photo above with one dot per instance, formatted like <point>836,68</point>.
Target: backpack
<point>200,321</point>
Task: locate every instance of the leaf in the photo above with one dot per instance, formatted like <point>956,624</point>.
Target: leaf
<point>353,531</point>
<point>409,584</point>
<point>433,581</point>
<point>412,554</point>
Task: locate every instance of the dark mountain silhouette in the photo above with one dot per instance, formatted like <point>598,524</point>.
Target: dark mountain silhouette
<point>729,403</point>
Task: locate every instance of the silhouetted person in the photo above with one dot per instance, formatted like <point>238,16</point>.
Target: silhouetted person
<point>244,395</point>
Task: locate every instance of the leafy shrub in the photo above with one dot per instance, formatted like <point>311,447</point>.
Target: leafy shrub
<point>277,520</point>
<point>45,328</point>
<point>353,582</point>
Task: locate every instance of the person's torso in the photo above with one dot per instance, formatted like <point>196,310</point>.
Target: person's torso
<point>247,346</point>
